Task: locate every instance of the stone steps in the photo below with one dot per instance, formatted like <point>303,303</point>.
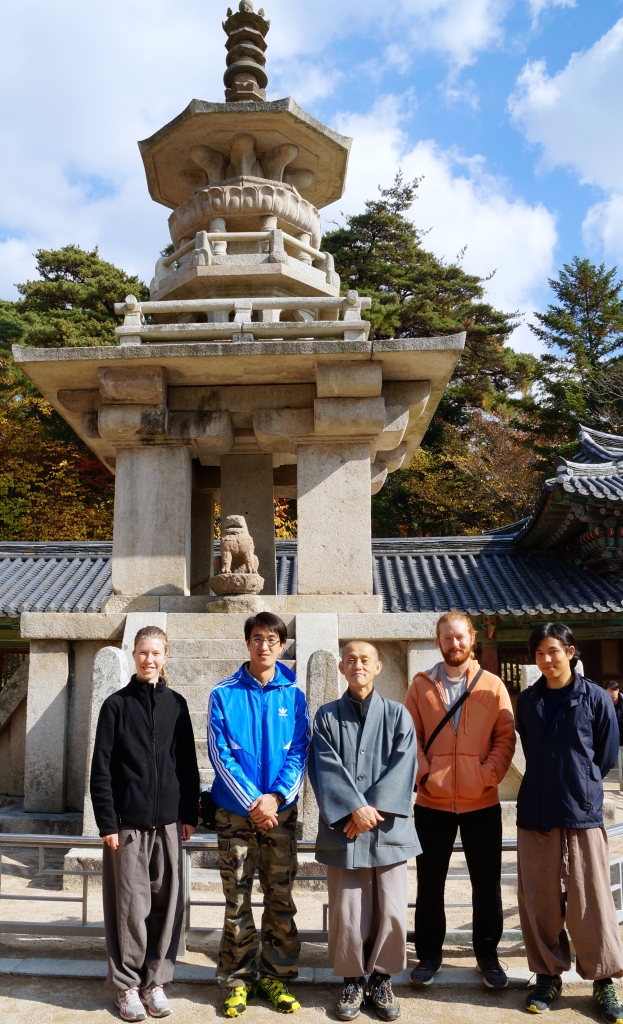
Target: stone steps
<point>14,820</point>
<point>204,672</point>
<point>219,650</point>
<point>194,668</point>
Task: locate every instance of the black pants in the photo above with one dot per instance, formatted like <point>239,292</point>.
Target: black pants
<point>481,833</point>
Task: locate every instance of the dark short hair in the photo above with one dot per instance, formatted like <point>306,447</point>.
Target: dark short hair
<point>558,631</point>
<point>612,685</point>
<point>266,620</point>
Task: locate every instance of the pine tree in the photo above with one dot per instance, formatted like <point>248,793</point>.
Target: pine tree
<point>587,324</point>
<point>583,331</point>
<point>380,253</point>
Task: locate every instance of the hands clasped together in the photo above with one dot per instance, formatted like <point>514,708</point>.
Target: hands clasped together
<point>362,820</point>
<point>263,811</point>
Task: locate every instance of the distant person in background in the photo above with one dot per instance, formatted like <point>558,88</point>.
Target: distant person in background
<point>569,734</point>
<point>613,689</point>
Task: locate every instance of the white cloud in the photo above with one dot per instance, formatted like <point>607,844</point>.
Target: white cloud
<point>603,228</point>
<point>575,117</point>
<point>538,6</point>
<point>462,204</point>
<point>81,83</point>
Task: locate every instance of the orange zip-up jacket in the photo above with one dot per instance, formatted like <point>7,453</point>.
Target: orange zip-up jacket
<point>465,767</point>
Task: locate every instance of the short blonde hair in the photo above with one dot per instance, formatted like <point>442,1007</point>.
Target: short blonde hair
<point>154,631</point>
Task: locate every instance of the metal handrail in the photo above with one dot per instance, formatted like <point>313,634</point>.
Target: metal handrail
<point>197,843</point>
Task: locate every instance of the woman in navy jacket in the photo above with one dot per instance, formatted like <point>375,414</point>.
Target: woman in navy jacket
<point>570,738</point>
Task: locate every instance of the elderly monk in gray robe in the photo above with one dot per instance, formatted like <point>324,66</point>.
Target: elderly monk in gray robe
<point>362,769</point>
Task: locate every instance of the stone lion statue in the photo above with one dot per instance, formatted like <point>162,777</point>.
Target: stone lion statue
<point>237,549</point>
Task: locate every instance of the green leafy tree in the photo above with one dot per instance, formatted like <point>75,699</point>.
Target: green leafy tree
<point>415,294</point>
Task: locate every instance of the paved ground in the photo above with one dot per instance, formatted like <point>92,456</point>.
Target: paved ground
<point>60,1002</point>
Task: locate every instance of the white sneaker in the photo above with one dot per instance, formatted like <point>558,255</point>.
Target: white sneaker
<point>156,1001</point>
<point>129,1004</point>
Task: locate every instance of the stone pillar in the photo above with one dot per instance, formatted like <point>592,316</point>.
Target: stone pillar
<point>315,632</point>
<point>151,545</point>
<point>201,541</point>
<point>322,687</point>
<point>489,657</point>
<point>110,673</point>
<point>334,528</point>
<point>421,656</point>
<point>247,490</point>
<point>46,727</point>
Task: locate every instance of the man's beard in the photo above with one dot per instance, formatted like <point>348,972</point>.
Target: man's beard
<point>456,657</point>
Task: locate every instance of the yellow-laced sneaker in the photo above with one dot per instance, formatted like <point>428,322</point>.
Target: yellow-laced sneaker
<point>278,994</point>
<point>236,1002</point>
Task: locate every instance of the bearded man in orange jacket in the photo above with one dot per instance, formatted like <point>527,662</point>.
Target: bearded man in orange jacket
<point>460,766</point>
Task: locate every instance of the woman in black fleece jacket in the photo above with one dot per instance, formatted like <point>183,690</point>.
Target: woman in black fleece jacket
<point>144,789</point>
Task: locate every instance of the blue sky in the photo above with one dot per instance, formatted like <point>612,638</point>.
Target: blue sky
<point>511,109</point>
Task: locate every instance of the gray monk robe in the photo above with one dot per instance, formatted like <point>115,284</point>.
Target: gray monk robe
<point>350,766</point>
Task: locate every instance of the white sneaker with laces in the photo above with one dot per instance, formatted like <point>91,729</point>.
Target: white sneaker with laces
<point>129,1005</point>
<point>156,1001</point>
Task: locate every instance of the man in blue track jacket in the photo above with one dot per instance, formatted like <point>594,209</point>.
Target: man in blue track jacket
<point>258,741</point>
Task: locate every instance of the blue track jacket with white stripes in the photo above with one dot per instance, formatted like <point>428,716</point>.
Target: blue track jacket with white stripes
<point>258,739</point>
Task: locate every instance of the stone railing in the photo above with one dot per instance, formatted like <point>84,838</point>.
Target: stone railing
<point>253,318</point>
<point>209,248</point>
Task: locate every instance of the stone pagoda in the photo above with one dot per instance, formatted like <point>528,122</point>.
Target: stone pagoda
<point>247,375</point>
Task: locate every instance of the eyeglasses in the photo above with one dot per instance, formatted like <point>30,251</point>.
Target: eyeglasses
<point>259,641</point>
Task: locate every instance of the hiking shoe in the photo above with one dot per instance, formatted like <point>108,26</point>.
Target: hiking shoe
<point>608,1001</point>
<point>236,1002</point>
<point>424,972</point>
<point>548,987</point>
<point>350,1002</point>
<point>129,1005</point>
<point>155,1001</point>
<point>382,997</point>
<point>278,994</point>
<point>492,972</point>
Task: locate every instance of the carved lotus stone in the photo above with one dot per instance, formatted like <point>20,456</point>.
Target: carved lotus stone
<point>245,198</point>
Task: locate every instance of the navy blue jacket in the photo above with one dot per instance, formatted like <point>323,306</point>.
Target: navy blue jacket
<point>618,710</point>
<point>565,765</point>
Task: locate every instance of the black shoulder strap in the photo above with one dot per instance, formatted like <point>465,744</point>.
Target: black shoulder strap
<point>452,711</point>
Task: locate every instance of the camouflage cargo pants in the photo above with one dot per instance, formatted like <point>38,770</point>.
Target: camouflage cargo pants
<point>241,845</point>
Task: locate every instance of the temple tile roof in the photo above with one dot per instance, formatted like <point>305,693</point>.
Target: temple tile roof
<point>580,510</point>
<point>484,576</point>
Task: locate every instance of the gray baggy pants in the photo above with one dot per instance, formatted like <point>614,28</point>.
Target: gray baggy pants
<point>367,920</point>
<point>564,879</point>
<point>142,898</point>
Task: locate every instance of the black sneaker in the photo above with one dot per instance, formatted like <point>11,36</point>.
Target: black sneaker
<point>382,997</point>
<point>492,972</point>
<point>350,1002</point>
<point>608,1001</point>
<point>424,972</point>
<point>548,987</point>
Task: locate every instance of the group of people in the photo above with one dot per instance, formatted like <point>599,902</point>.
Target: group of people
<point>452,742</point>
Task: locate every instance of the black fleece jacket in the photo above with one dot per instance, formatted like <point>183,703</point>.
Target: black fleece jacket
<point>144,770</point>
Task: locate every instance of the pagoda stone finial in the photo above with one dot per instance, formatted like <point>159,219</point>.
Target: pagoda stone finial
<point>246,78</point>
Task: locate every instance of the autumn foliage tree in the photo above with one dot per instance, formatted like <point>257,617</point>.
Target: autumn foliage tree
<point>51,485</point>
